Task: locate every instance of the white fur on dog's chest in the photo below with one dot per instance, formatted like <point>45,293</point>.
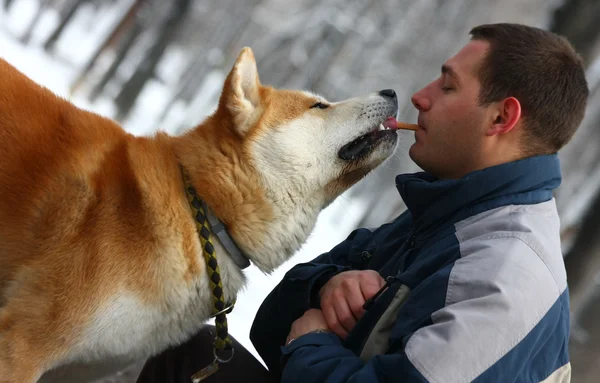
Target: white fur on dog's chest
<point>126,331</point>
<point>127,327</point>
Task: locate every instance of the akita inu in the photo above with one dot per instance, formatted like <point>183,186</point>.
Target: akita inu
<point>100,255</point>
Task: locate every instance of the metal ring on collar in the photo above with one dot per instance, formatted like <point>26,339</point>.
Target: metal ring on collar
<point>220,360</point>
<point>226,310</point>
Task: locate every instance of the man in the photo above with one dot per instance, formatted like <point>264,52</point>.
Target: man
<point>469,283</point>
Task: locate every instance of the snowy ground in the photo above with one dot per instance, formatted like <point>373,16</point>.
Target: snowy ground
<point>334,223</point>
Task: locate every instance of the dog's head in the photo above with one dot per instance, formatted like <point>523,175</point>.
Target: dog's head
<point>304,150</point>
<point>301,143</point>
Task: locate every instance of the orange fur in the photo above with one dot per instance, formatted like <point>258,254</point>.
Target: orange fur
<point>109,197</point>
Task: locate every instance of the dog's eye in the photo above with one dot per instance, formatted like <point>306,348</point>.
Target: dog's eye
<point>320,105</point>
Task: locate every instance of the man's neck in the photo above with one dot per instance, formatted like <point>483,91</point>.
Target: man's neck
<point>499,154</point>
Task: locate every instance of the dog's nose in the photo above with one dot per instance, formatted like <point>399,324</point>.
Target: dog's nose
<point>388,93</point>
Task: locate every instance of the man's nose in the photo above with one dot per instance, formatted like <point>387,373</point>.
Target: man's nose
<point>420,102</point>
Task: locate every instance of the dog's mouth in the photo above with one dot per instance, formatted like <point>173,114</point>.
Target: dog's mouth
<point>363,145</point>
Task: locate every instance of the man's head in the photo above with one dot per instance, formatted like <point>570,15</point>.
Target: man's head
<point>512,92</point>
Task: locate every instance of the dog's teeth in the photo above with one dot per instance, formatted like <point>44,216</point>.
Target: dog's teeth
<point>381,127</point>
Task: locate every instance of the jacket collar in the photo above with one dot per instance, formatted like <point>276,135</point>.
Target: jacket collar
<point>433,202</point>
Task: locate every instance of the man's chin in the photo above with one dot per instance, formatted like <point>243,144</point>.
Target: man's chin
<point>417,156</point>
<point>413,152</point>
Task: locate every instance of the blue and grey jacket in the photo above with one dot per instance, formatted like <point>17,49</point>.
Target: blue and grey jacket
<point>478,288</point>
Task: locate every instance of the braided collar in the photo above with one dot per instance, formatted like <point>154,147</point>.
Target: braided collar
<point>223,342</point>
<point>217,227</point>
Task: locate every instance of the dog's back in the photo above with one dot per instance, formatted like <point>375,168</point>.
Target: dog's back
<point>46,153</point>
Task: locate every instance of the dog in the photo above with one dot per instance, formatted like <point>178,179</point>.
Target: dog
<point>101,261</point>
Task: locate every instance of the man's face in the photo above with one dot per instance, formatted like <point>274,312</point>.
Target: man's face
<point>450,141</point>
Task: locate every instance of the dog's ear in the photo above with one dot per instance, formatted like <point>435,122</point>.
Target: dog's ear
<point>241,91</point>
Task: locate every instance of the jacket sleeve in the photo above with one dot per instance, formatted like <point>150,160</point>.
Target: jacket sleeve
<point>321,357</point>
<point>296,293</point>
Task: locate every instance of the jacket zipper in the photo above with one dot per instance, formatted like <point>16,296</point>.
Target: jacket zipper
<point>388,282</point>
<point>412,239</point>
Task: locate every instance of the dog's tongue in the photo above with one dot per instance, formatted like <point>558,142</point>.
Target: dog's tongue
<point>391,123</point>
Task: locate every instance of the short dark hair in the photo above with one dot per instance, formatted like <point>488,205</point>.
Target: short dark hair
<point>541,70</point>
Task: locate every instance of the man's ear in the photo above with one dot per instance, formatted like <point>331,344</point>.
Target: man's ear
<point>241,91</point>
<point>506,116</point>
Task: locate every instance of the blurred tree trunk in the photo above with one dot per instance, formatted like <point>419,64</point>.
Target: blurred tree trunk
<point>125,44</point>
<point>67,13</point>
<point>124,27</point>
<point>583,260</point>
<point>7,4</point>
<point>40,11</point>
<point>132,88</point>
<point>577,20</point>
<point>209,34</point>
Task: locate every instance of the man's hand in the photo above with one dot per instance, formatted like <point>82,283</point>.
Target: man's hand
<point>343,297</point>
<point>312,320</point>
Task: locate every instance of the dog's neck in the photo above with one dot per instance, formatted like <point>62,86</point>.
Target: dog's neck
<point>269,227</point>
<point>216,226</point>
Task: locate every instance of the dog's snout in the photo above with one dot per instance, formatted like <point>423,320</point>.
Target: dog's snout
<point>388,93</point>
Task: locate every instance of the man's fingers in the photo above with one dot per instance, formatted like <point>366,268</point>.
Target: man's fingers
<point>344,314</point>
<point>356,301</point>
<point>332,320</point>
<point>370,284</point>
<point>343,297</point>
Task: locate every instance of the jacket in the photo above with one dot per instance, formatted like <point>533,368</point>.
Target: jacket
<point>477,288</point>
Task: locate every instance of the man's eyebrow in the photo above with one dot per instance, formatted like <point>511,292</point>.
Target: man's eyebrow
<point>448,70</point>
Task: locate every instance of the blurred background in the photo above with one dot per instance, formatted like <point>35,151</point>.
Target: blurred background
<point>159,65</point>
